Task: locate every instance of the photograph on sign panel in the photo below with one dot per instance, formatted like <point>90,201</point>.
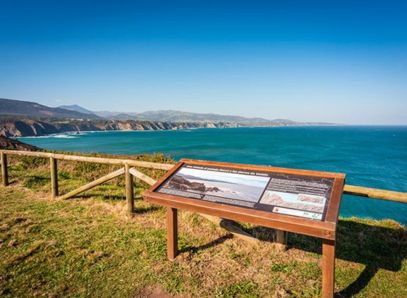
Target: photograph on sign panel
<point>215,183</point>
<point>304,202</point>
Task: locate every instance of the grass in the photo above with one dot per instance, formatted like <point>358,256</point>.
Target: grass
<point>87,247</point>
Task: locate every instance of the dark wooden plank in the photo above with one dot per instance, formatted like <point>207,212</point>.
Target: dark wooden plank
<point>166,176</point>
<point>335,200</point>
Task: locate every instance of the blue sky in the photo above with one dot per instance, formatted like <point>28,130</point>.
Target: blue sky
<point>335,61</point>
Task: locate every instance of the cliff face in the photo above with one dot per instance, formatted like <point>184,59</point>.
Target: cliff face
<point>29,127</point>
<point>9,144</point>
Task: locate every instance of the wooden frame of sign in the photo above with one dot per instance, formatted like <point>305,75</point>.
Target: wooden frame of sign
<point>290,200</point>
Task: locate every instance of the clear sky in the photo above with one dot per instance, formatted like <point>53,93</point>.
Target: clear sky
<point>335,61</point>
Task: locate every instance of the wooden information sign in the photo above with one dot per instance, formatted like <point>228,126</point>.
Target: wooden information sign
<point>290,200</point>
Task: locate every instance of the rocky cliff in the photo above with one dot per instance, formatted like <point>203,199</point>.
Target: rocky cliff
<point>10,144</point>
<point>30,127</point>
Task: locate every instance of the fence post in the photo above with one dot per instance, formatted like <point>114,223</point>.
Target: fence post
<point>54,177</point>
<point>4,173</point>
<point>129,190</point>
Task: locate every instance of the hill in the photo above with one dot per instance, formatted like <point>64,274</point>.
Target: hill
<point>171,115</point>
<point>16,109</point>
<point>77,109</point>
<point>11,107</point>
<point>180,116</point>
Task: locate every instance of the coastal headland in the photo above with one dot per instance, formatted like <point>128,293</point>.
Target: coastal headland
<point>26,119</point>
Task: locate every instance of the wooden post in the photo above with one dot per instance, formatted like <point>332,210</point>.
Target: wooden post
<point>54,177</point>
<point>172,233</point>
<point>129,190</point>
<point>281,239</point>
<point>4,172</point>
<point>328,268</point>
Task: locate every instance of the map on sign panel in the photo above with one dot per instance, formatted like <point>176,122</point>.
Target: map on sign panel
<point>288,194</point>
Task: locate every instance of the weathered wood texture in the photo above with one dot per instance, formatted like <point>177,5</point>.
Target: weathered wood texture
<point>4,170</point>
<point>92,184</point>
<point>376,193</point>
<point>141,176</point>
<point>129,190</point>
<point>54,177</point>
<point>103,160</point>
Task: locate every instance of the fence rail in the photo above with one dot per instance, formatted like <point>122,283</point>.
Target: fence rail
<point>375,193</point>
<point>130,171</point>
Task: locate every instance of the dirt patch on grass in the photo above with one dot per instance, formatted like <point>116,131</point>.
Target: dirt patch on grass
<point>155,291</point>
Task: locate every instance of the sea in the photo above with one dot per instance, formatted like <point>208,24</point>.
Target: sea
<point>372,156</point>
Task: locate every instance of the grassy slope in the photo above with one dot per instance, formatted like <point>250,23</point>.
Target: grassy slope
<point>88,247</point>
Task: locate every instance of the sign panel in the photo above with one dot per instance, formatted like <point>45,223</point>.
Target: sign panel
<point>289,194</point>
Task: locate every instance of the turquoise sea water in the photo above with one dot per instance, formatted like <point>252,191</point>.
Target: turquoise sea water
<point>370,156</point>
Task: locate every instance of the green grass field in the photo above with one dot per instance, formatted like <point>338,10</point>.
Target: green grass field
<point>88,247</point>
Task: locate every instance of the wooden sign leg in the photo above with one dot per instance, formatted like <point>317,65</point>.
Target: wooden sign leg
<point>281,240</point>
<point>328,268</point>
<point>172,233</point>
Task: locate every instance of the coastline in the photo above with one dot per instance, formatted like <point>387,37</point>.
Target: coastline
<point>84,132</point>
<point>72,134</point>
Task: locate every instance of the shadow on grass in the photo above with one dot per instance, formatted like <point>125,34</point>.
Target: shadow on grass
<point>103,195</point>
<point>137,209</point>
<point>142,210</point>
<point>217,241</point>
<point>106,197</point>
<point>375,247</point>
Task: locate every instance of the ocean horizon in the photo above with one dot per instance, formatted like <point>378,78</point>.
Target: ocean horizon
<point>371,156</point>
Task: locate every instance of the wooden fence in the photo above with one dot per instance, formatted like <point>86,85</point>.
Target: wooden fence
<point>130,171</point>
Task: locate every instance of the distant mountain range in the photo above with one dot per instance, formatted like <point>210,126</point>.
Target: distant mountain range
<point>77,108</point>
<point>166,116</point>
<point>180,116</point>
<point>17,109</point>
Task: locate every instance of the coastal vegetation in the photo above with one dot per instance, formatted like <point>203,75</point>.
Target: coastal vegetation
<point>87,246</point>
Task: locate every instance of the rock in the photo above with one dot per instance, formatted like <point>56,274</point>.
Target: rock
<point>10,144</point>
